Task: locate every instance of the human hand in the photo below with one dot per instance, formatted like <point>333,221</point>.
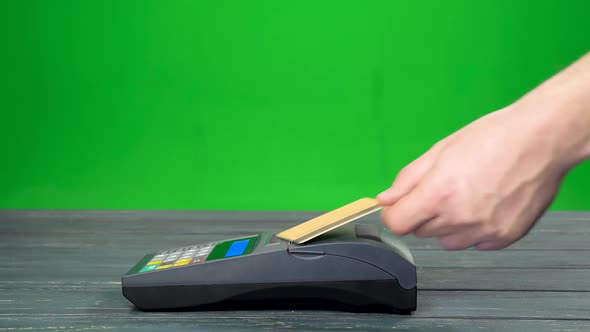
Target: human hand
<point>484,186</point>
<point>487,184</point>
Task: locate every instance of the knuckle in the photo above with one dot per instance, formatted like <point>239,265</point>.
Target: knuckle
<point>462,218</point>
<point>501,245</point>
<point>445,191</point>
<point>430,228</point>
<point>489,231</point>
<point>404,172</point>
<point>465,216</point>
<point>495,232</point>
<point>392,223</point>
<point>399,229</point>
<point>448,243</point>
<point>502,233</point>
<point>503,236</point>
<point>487,246</point>
<point>421,233</point>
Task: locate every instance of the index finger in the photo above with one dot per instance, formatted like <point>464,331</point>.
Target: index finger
<point>410,212</point>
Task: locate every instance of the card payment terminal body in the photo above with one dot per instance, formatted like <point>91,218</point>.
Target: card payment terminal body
<point>356,267</point>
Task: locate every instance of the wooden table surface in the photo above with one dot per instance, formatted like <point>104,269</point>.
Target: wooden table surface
<point>60,271</point>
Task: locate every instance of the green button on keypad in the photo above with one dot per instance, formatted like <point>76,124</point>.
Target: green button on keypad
<point>148,268</point>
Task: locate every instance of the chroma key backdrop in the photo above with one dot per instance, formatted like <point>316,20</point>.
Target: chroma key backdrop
<point>257,105</point>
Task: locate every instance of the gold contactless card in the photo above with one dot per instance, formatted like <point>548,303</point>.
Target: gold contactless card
<point>328,221</point>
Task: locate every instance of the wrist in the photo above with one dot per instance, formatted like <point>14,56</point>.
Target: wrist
<point>560,127</point>
<point>559,111</point>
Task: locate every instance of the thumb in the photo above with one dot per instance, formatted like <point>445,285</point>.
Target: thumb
<point>391,195</point>
<point>410,176</point>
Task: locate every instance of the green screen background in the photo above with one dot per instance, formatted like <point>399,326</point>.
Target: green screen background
<point>262,105</point>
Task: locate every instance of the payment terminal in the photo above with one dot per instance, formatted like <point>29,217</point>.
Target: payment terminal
<point>357,267</point>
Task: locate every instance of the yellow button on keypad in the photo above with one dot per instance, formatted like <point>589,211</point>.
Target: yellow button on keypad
<point>181,262</point>
<point>154,262</point>
<point>165,266</point>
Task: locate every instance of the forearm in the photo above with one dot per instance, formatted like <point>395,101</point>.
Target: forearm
<point>560,112</point>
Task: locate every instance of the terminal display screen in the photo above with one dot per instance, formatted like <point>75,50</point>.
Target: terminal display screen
<point>233,248</point>
<point>237,248</point>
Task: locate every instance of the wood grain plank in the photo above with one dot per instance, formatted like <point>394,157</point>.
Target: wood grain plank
<point>554,259</point>
<point>576,280</point>
<point>273,321</point>
<point>47,228</point>
<point>108,262</point>
<point>83,298</point>
<point>123,256</point>
<point>107,266</point>
<point>174,234</point>
<point>60,270</point>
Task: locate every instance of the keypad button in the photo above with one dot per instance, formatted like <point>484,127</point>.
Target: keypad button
<point>197,260</point>
<point>176,257</point>
<point>148,268</point>
<point>182,262</point>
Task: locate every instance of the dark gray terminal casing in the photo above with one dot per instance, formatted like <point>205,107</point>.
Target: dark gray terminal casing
<point>356,267</point>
